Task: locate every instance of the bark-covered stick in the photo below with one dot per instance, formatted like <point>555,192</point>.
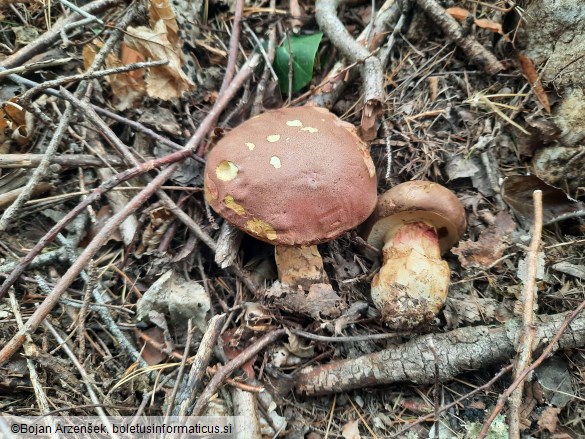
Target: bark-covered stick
<point>477,54</point>
<point>460,350</point>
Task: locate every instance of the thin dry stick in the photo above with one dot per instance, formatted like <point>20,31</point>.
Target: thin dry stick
<point>47,39</point>
<point>428,416</point>
<point>188,392</point>
<point>22,161</point>
<point>84,376</point>
<point>26,97</point>
<point>31,350</point>
<point>477,54</point>
<point>225,371</point>
<point>528,298</point>
<point>371,70</point>
<point>181,372</point>
<point>234,46</point>
<point>35,66</point>
<point>527,336</point>
<point>7,217</point>
<point>43,167</point>
<point>81,317</point>
<point>103,235</point>
<point>129,157</point>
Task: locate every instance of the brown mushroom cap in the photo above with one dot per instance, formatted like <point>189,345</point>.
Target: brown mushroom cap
<point>416,201</point>
<point>294,176</point>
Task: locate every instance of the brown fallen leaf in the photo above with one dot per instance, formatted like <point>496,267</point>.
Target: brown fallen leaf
<point>557,205</point>
<point>458,13</point>
<point>490,25</point>
<point>549,419</point>
<point>531,74</point>
<point>163,10</point>
<point>163,82</point>
<point>128,88</point>
<point>490,246</point>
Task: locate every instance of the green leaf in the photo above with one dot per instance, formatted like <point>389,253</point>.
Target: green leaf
<point>303,48</point>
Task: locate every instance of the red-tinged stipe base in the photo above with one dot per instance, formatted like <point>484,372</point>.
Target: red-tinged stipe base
<point>413,282</point>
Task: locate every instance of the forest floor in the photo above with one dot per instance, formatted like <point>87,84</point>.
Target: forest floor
<point>123,293</point>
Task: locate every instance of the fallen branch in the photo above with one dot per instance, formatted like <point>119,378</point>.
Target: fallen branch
<point>371,70</point>
<point>460,350</point>
<point>477,54</point>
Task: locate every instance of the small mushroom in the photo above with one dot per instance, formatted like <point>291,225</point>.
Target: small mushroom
<point>294,178</point>
<point>414,223</point>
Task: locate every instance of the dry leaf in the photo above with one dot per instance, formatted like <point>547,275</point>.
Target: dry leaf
<point>351,430</point>
<point>517,193</point>
<point>490,246</point>
<point>549,418</point>
<point>163,10</point>
<point>531,74</point>
<point>163,82</point>
<point>128,88</point>
<point>458,13</point>
<point>489,25</point>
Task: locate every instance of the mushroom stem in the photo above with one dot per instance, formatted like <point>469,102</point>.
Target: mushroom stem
<point>299,266</point>
<point>413,283</point>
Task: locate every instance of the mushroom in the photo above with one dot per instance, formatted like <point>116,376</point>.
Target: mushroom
<point>294,178</point>
<point>414,223</point>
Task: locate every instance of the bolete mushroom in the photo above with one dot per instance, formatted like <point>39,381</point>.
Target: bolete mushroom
<point>414,223</point>
<point>294,178</point>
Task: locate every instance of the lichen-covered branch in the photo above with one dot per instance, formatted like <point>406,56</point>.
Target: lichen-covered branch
<point>463,349</point>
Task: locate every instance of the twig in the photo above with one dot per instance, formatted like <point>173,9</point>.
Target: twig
<point>428,416</point>
<point>8,198</point>
<point>26,97</point>
<point>35,66</point>
<point>103,235</point>
<point>81,317</point>
<point>527,335</point>
<point>225,371</point>
<point>22,161</point>
<point>47,39</point>
<point>80,11</point>
<point>261,87</point>
<point>478,54</point>
<point>180,374</point>
<point>460,350</point>
<point>371,70</point>
<point>234,47</point>
<point>528,298</point>
<point>343,339</point>
<point>187,394</point>
<point>43,167</point>
<point>7,218</point>
<point>30,350</point>
<point>84,376</point>
<point>103,311</point>
<point>436,388</point>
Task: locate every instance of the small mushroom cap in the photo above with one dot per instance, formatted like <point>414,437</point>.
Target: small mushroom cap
<point>416,201</point>
<point>294,176</point>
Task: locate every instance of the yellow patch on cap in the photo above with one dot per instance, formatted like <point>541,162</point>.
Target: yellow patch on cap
<point>250,145</point>
<point>229,202</point>
<point>273,138</point>
<point>261,228</point>
<point>226,170</point>
<point>294,123</point>
<point>309,129</point>
<point>275,161</point>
